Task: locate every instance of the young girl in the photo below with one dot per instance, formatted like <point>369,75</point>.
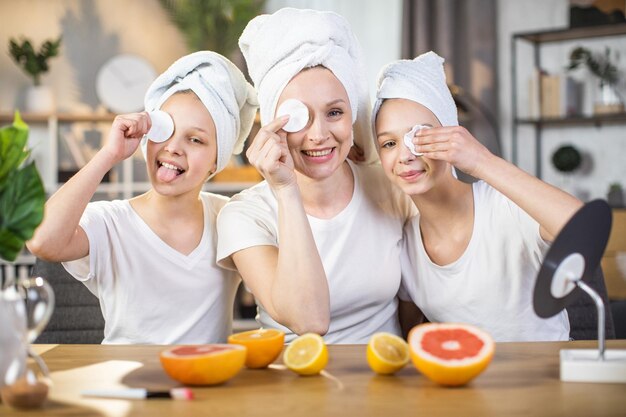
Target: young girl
<point>151,259</point>
<point>473,253</point>
<point>318,242</point>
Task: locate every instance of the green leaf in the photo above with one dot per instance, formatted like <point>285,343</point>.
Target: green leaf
<point>12,147</point>
<point>10,245</point>
<point>22,202</point>
<point>22,196</point>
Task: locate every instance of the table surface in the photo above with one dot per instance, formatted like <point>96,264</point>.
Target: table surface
<point>522,380</point>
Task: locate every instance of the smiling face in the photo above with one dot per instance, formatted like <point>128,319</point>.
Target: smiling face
<point>184,162</point>
<point>413,174</point>
<point>322,146</point>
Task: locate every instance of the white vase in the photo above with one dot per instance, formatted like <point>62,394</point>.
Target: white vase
<point>607,100</point>
<point>39,99</point>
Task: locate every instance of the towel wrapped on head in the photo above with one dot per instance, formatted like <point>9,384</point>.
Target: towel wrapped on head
<point>221,87</point>
<point>278,46</point>
<point>421,80</point>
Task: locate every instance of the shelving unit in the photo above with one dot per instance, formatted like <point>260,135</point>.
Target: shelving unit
<point>537,40</point>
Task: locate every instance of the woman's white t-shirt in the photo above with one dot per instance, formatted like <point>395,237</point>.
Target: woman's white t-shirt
<point>491,285</point>
<point>359,249</point>
<point>149,292</point>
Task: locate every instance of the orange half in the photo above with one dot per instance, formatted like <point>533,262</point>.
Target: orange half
<point>264,346</point>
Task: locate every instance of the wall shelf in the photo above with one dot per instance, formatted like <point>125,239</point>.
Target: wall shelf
<point>567,34</point>
<point>537,40</point>
<point>575,120</point>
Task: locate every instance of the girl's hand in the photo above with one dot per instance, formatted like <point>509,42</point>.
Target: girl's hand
<point>455,145</point>
<point>270,155</point>
<point>125,135</point>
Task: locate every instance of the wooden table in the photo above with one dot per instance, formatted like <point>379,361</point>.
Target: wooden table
<point>522,380</point>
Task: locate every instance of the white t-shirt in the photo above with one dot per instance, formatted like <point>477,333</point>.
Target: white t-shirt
<point>491,285</point>
<point>149,292</point>
<point>359,247</point>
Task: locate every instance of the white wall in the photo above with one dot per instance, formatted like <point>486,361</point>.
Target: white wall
<point>603,148</point>
<point>94,31</point>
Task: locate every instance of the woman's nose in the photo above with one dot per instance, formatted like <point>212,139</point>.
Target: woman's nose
<point>318,131</point>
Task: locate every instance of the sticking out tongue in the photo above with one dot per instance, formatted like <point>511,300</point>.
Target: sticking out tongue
<point>166,175</point>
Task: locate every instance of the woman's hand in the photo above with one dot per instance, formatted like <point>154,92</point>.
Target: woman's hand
<point>455,145</point>
<point>270,155</point>
<point>125,135</point>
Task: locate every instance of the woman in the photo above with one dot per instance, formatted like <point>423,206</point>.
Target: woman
<point>474,251</point>
<point>317,242</point>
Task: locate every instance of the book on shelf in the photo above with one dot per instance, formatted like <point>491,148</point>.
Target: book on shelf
<point>554,96</point>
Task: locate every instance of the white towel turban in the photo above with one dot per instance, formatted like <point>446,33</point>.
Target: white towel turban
<point>221,87</point>
<point>278,46</point>
<point>421,80</point>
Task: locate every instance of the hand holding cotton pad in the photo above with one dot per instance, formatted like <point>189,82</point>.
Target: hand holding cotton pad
<point>162,126</point>
<point>408,139</point>
<point>298,115</point>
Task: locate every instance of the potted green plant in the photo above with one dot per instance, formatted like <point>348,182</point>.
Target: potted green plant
<point>615,195</point>
<point>25,305</point>
<point>601,65</point>
<point>35,63</point>
<point>22,195</point>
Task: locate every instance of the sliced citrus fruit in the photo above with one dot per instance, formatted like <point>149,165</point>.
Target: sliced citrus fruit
<point>264,345</point>
<point>387,353</point>
<point>306,355</point>
<point>203,364</point>
<point>450,354</point>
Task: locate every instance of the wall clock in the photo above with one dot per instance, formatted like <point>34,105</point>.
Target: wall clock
<point>122,82</point>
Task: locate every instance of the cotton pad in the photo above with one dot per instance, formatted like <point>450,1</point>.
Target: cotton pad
<point>298,115</point>
<point>408,139</point>
<point>162,126</point>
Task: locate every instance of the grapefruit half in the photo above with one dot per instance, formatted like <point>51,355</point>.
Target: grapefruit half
<point>203,364</point>
<point>450,354</point>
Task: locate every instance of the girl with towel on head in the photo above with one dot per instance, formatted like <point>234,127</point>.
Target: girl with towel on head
<point>318,242</point>
<point>151,259</point>
<point>474,251</point>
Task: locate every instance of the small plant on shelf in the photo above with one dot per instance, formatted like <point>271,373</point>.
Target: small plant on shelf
<point>34,63</point>
<point>615,195</point>
<point>599,64</point>
<point>22,196</point>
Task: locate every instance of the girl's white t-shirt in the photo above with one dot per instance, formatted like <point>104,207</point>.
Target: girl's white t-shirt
<point>359,249</point>
<point>491,285</point>
<point>149,292</point>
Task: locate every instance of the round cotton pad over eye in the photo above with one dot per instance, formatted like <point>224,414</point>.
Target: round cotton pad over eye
<point>162,126</point>
<point>408,139</point>
<point>298,115</point>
